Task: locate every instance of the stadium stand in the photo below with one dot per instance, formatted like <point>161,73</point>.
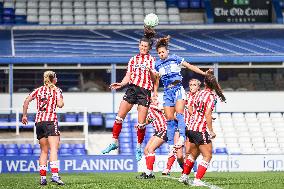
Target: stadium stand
<point>87,12</point>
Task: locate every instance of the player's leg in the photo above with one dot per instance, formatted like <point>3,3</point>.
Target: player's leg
<point>171,159</point>
<point>189,162</point>
<point>180,97</point>
<point>171,124</point>
<point>150,159</point>
<point>53,142</point>
<point>43,160</point>
<point>187,153</point>
<point>206,151</point>
<point>124,108</point>
<point>141,129</point>
<point>179,108</point>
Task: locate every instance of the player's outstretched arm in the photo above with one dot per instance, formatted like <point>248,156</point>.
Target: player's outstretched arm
<point>193,68</point>
<point>124,82</point>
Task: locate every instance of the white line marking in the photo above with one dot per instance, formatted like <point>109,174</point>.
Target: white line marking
<point>190,181</point>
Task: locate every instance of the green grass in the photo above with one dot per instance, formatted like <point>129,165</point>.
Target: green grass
<point>263,180</point>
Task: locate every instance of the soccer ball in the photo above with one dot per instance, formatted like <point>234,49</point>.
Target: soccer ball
<point>151,20</point>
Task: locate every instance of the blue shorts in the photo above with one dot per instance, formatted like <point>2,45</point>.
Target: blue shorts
<point>171,95</point>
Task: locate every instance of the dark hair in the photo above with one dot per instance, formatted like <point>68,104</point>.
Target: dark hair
<point>211,82</point>
<point>149,34</point>
<point>163,42</point>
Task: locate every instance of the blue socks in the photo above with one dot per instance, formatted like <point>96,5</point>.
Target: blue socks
<point>170,131</point>
<point>181,124</point>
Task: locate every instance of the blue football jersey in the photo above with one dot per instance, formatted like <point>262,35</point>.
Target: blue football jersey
<point>169,69</point>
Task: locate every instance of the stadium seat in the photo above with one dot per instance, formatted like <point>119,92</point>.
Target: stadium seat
<point>148,4</point>
<point>183,4</point>
<point>102,4</point>
<point>43,4</point>
<point>124,140</point>
<point>36,146</point>
<point>67,4</point>
<point>125,145</point>
<point>12,152</point>
<point>221,151</point>
<point>113,4</point>
<point>43,19</point>
<point>109,119</point>
<point>67,11</point>
<point>26,152</point>
<point>68,19</point>
<point>2,151</point>
<point>12,146</point>
<point>91,19</point>
<point>103,19</point>
<point>36,151</point>
<point>71,117</point>
<point>25,146</point>
<point>125,4</point>
<point>194,4</point>
<point>90,4</point>
<point>65,146</point>
<point>115,19</point>
<point>79,146</point>
<point>149,10</point>
<point>138,19</point>
<point>174,19</point>
<point>79,152</point>
<point>65,152</point>
<point>96,119</point>
<point>55,19</point>
<point>21,12</point>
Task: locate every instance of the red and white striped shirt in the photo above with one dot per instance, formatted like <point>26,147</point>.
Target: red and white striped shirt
<point>201,102</point>
<point>157,119</point>
<point>189,98</point>
<point>139,66</point>
<point>46,100</point>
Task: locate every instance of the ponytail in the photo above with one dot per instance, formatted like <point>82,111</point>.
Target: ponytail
<point>149,34</point>
<point>48,77</point>
<point>211,82</point>
<point>163,42</point>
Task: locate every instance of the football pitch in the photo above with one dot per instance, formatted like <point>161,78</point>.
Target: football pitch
<point>215,180</point>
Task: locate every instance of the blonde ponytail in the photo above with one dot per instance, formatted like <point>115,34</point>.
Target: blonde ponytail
<point>48,77</point>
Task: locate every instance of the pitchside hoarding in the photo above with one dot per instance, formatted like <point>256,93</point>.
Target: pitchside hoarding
<point>115,163</point>
<point>242,11</point>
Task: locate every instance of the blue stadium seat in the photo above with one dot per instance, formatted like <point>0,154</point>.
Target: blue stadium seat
<point>71,117</point>
<point>11,146</point>
<point>8,12</point>
<point>26,152</point>
<point>81,117</point>
<point>79,152</point>
<point>12,152</point>
<point>65,152</point>
<point>96,119</point>
<point>3,119</point>
<point>27,146</point>
<point>125,145</point>
<point>65,146</point>
<point>2,152</point>
<point>109,119</point>
<point>20,19</point>
<point>79,146</point>
<point>36,146</point>
<point>124,140</point>
<point>125,151</point>
<point>220,150</point>
<point>183,4</point>
<point>125,135</point>
<point>36,152</point>
<point>172,3</point>
<point>2,146</point>
<point>194,4</point>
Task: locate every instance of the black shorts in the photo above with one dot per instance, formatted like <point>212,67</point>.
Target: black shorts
<point>47,128</point>
<point>162,135</point>
<point>198,138</point>
<point>137,95</point>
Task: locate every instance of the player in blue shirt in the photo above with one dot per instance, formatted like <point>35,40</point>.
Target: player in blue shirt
<point>169,71</point>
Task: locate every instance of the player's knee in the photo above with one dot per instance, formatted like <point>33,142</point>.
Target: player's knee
<point>118,119</point>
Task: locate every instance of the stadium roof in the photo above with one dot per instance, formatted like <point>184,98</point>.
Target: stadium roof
<point>102,46</point>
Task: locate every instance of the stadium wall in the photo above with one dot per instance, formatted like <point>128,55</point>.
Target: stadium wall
<point>102,102</point>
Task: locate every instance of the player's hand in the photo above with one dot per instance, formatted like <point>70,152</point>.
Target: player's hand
<point>25,120</point>
<point>115,86</point>
<point>212,135</point>
<point>209,71</point>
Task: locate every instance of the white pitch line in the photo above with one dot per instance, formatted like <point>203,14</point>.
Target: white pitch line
<point>211,186</point>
